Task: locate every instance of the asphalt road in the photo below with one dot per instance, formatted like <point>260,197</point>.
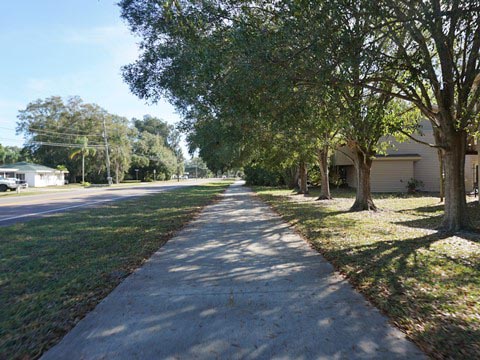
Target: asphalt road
<point>24,208</point>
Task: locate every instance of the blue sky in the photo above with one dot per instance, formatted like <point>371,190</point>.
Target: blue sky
<point>65,48</point>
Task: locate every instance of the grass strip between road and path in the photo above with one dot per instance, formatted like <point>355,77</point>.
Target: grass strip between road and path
<point>426,281</point>
<point>33,191</point>
<point>55,270</point>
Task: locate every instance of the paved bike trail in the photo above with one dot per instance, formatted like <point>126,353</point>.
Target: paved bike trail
<point>237,283</point>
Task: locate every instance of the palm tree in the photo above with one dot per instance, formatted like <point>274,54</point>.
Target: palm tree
<point>3,154</point>
<point>84,151</point>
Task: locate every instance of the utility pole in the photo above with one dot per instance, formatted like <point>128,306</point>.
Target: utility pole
<point>109,178</point>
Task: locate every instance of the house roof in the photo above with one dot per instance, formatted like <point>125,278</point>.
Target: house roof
<point>398,157</point>
<point>29,167</point>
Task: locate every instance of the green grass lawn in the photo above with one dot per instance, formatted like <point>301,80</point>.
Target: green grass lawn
<point>427,282</point>
<point>54,270</point>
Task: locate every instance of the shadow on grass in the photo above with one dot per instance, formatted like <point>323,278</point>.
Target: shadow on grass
<point>432,295</point>
<point>290,210</point>
<point>432,217</point>
<point>397,275</point>
<point>54,270</point>
<point>349,193</point>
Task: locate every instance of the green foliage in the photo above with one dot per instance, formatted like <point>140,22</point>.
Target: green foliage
<point>154,126</point>
<point>151,153</point>
<point>12,154</point>
<point>245,75</point>
<point>413,185</point>
<point>69,131</point>
<point>196,167</point>
<point>336,180</point>
<point>120,139</point>
<point>238,117</point>
<point>61,168</point>
<point>59,131</point>
<point>258,175</point>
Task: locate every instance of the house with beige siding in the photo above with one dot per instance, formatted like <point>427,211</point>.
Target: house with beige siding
<point>404,161</point>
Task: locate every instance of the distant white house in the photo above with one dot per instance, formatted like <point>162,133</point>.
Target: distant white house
<point>33,174</point>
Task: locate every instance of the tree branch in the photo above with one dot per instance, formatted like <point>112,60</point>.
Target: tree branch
<point>420,141</point>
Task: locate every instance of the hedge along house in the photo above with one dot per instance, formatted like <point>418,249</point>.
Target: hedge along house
<point>405,161</point>
<point>33,174</point>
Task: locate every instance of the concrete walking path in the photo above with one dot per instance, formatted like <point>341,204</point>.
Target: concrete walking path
<point>235,284</point>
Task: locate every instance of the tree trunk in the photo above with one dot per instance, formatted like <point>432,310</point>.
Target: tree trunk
<point>117,174</point>
<point>83,168</point>
<point>291,177</point>
<point>363,199</point>
<point>303,178</point>
<point>323,161</point>
<point>456,216</point>
<point>477,177</point>
<point>296,176</point>
<point>442,178</point>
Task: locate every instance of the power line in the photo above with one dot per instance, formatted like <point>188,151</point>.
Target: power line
<point>62,133</point>
<point>7,128</point>
<point>40,131</point>
<point>31,129</point>
<point>46,134</point>
<point>46,143</point>
<point>55,140</point>
<point>8,139</point>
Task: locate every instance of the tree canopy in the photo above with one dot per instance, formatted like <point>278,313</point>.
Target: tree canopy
<point>234,70</point>
<point>70,133</point>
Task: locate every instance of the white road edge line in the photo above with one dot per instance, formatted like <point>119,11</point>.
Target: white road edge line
<point>166,187</point>
<point>67,207</point>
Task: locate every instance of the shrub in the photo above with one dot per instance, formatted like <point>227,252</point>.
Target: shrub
<point>257,175</point>
<point>413,185</point>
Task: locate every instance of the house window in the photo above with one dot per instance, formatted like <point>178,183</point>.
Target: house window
<point>21,177</point>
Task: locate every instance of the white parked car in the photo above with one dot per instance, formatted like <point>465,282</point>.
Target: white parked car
<point>8,184</point>
<point>22,183</point>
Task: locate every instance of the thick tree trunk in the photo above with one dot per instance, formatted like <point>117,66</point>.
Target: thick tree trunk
<point>456,216</point>
<point>323,162</point>
<point>442,178</point>
<point>363,199</point>
<point>303,178</point>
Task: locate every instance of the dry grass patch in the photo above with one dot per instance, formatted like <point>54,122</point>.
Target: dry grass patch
<point>54,270</point>
<point>427,282</point>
